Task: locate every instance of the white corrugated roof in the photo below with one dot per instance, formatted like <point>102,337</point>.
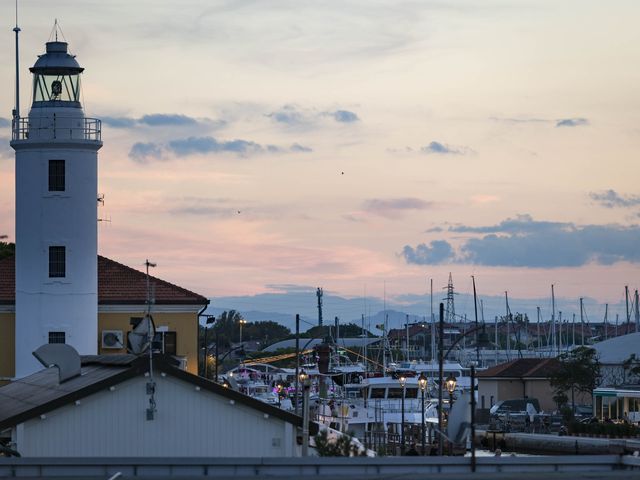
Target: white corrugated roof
<point>617,350</point>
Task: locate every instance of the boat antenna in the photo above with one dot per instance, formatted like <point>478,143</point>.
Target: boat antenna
<point>16,109</point>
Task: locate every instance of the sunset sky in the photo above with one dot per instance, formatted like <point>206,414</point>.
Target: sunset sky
<point>362,146</point>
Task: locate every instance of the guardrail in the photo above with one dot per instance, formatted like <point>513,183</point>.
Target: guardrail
<point>56,128</point>
<point>381,467</point>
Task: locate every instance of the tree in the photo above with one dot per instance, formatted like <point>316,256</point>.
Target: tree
<point>7,250</point>
<point>578,371</point>
<point>343,446</point>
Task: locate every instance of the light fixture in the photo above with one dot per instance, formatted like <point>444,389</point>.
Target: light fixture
<point>450,384</point>
<point>403,380</point>
<point>422,382</point>
<point>303,377</point>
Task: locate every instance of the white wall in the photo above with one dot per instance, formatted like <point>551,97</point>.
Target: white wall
<point>188,423</point>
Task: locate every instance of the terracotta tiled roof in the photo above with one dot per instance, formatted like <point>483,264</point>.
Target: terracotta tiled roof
<point>522,368</point>
<point>117,285</point>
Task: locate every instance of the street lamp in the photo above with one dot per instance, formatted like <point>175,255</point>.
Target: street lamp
<point>242,321</point>
<point>306,385</point>
<point>209,321</point>
<point>422,383</point>
<point>450,385</point>
<point>403,382</point>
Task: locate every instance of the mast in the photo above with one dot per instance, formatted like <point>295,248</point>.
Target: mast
<point>606,325</point>
<point>475,309</point>
<point>573,330</point>
<point>433,328</point>
<point>16,110</point>
<point>582,319</point>
<point>626,298</point>
<point>506,302</point>
<point>553,319</point>
<point>637,313</point>
<point>538,322</point>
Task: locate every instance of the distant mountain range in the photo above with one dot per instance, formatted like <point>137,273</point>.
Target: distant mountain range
<point>282,308</point>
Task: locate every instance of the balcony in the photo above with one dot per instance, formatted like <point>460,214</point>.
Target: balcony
<point>56,128</point>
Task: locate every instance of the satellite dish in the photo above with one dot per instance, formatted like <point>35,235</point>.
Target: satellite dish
<point>60,355</point>
<point>138,340</point>
<point>459,419</point>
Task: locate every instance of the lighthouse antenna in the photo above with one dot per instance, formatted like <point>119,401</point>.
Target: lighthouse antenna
<point>16,109</point>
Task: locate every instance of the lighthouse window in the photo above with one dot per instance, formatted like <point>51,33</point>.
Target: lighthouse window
<point>63,88</point>
<point>57,337</point>
<point>56,176</point>
<point>57,262</point>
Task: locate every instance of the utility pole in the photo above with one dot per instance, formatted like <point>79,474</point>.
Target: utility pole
<point>319,295</point>
<point>451,309</point>
<point>440,378</point>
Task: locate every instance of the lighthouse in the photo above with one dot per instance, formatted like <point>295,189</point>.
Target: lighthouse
<point>56,150</point>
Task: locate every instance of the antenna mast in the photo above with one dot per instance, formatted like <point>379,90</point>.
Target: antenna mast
<point>151,384</point>
<point>16,110</point>
<point>319,293</point>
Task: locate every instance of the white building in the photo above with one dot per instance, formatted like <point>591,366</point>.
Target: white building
<point>103,413</point>
<point>56,213</point>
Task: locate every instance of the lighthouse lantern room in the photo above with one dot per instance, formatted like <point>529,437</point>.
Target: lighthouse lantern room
<point>56,149</point>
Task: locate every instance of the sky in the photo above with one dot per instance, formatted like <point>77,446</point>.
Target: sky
<point>365,147</point>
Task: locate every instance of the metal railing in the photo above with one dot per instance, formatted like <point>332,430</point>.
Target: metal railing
<point>56,128</point>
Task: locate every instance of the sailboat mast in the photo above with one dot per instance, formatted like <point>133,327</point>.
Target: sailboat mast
<point>506,303</point>
<point>475,309</point>
<point>606,325</point>
<point>626,298</point>
<point>582,319</point>
<point>637,313</point>
<point>538,331</point>
<point>553,319</point>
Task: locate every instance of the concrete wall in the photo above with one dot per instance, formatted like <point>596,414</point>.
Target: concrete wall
<point>188,422</point>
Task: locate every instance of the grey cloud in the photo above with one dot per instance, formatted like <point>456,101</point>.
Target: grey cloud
<point>571,122</point>
<point>524,242</point>
<point>443,149</point>
<point>143,152</point>
<point>162,119</point>
<point>191,145</point>
<point>4,123</point>
<point>438,251</point>
<point>345,116</point>
<point>119,122</point>
<point>611,199</point>
<point>296,147</point>
<point>392,207</point>
<point>208,211</point>
<point>293,115</point>
<point>520,224</point>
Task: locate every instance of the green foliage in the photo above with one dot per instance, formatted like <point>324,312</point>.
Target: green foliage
<point>610,429</point>
<point>342,447</point>
<point>579,371</point>
<point>7,250</point>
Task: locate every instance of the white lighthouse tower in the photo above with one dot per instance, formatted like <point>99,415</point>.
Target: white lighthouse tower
<point>56,213</point>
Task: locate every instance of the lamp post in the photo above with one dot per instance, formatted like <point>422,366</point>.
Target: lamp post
<point>242,321</point>
<point>209,321</point>
<point>422,383</point>
<point>450,385</point>
<point>403,382</point>
<point>306,385</point>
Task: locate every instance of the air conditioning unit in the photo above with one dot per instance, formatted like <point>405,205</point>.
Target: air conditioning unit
<point>112,339</point>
